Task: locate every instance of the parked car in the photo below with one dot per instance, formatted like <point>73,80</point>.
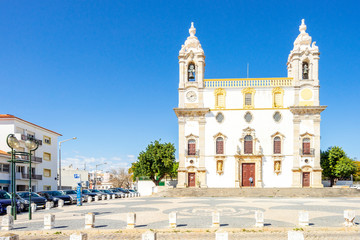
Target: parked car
<point>5,200</point>
<point>127,193</point>
<point>24,204</point>
<point>120,193</point>
<point>106,191</point>
<point>97,192</point>
<point>73,195</point>
<point>136,194</point>
<point>87,192</point>
<point>58,194</point>
<point>49,198</point>
<point>35,198</point>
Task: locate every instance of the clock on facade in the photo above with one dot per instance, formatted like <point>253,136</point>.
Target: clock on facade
<point>191,96</point>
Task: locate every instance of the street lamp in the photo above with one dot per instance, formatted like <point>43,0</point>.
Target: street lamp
<point>13,143</point>
<point>96,172</point>
<point>74,138</point>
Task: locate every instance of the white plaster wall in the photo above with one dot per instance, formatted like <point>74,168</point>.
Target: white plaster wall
<point>145,187</point>
<point>9,126</point>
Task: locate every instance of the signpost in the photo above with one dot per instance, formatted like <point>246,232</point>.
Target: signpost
<point>79,190</point>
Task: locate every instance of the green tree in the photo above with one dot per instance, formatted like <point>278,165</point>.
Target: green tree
<point>155,162</point>
<point>336,164</point>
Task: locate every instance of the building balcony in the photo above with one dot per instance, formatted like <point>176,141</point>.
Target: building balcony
<point>307,152</point>
<point>192,153</point>
<point>25,137</point>
<point>26,176</point>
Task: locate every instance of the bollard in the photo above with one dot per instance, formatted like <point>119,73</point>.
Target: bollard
<point>48,205</point>
<point>8,210</point>
<point>259,218</point>
<point>7,223</point>
<point>89,220</point>
<point>113,196</point>
<point>33,207</point>
<point>172,219</point>
<point>149,235</point>
<point>60,203</point>
<point>9,236</point>
<point>221,235</point>
<point>108,196</point>
<point>131,220</point>
<point>303,218</point>
<point>49,221</point>
<point>295,235</point>
<point>215,219</point>
<point>96,198</point>
<point>78,236</point>
<point>349,216</point>
<point>103,197</point>
<point>52,204</point>
<point>89,199</point>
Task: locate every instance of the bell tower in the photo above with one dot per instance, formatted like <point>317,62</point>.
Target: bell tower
<point>191,71</point>
<point>191,113</point>
<point>303,67</point>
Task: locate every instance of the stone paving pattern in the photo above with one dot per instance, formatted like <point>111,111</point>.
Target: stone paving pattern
<point>195,213</point>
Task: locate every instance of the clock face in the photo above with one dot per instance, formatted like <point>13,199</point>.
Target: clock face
<point>191,96</point>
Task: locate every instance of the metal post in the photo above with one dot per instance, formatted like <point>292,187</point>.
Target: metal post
<point>59,166</point>
<point>13,185</point>
<point>30,188</point>
<point>95,176</point>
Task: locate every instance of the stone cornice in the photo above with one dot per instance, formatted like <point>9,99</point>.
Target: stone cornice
<point>191,112</point>
<point>302,110</point>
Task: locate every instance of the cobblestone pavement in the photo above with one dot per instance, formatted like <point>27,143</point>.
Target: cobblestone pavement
<point>195,213</point>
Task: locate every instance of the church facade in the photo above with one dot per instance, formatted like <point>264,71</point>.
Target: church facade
<point>254,132</point>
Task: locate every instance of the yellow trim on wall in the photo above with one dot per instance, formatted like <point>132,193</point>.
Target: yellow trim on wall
<point>219,92</point>
<point>251,91</point>
<point>46,187</point>
<point>49,155</point>
<point>278,90</point>
<point>47,138</point>
<point>47,170</point>
<point>229,109</point>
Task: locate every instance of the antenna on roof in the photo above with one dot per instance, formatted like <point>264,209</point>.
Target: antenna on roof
<point>84,165</point>
<point>247,75</point>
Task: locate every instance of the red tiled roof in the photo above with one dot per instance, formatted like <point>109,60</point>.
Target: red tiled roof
<point>9,116</point>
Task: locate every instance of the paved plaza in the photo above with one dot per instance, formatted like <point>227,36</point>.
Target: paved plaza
<point>194,217</point>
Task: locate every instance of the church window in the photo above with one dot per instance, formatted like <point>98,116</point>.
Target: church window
<point>248,117</point>
<point>219,98</point>
<point>278,95</point>
<point>277,145</point>
<point>305,70</point>
<point>219,117</point>
<point>306,146</point>
<point>248,94</point>
<point>219,145</point>
<point>191,147</point>
<point>248,99</point>
<point>277,117</point>
<point>191,72</point>
<point>248,144</point>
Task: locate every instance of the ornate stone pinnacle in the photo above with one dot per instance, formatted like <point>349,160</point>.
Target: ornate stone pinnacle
<point>192,30</point>
<point>302,27</point>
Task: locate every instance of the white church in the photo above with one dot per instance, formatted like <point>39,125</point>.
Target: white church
<point>252,132</point>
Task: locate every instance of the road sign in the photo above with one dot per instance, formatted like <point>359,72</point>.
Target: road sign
<point>76,175</point>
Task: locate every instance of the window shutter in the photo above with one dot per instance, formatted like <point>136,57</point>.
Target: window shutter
<point>220,100</point>
<point>306,147</point>
<point>277,99</point>
<point>219,146</point>
<point>277,145</point>
<point>248,99</point>
<point>191,147</point>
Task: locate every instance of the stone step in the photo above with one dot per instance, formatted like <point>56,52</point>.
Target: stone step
<point>259,192</point>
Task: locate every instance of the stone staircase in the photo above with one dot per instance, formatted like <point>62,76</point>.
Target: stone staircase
<point>258,192</point>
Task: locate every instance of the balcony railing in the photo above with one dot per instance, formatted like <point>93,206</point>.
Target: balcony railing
<point>33,159</point>
<point>25,137</point>
<point>248,82</point>
<point>189,153</point>
<point>307,152</point>
<point>33,176</point>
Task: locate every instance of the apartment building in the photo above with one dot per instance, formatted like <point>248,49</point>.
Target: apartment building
<point>44,163</point>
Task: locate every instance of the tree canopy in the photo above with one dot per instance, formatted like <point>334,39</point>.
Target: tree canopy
<point>336,164</point>
<point>155,162</point>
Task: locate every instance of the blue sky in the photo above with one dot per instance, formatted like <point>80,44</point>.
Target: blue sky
<point>107,71</point>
